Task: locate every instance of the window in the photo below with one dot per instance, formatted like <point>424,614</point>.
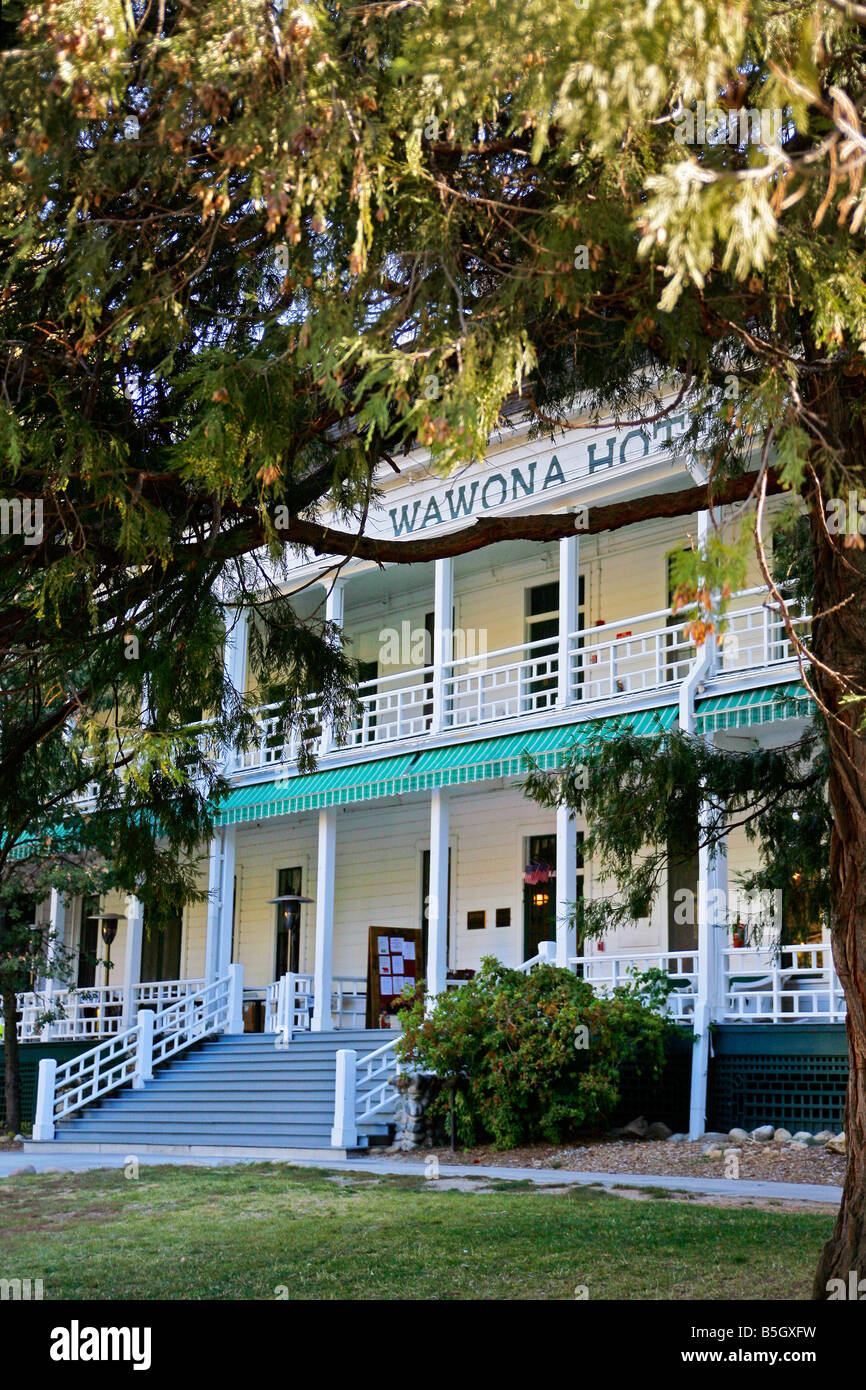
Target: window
<point>160,951</point>
<point>539,899</point>
<point>539,685</point>
<point>88,944</point>
<point>288,930</point>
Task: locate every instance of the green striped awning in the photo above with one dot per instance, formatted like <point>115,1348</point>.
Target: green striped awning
<point>452,765</point>
<point>743,708</point>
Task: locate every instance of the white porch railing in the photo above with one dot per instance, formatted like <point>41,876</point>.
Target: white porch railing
<point>756,636</point>
<point>354,1107</point>
<point>289,1003</point>
<point>277,740</point>
<point>790,984</point>
<point>93,1012</point>
<point>130,1057</point>
<point>605,972</point>
<point>630,657</point>
<point>501,684</point>
<point>392,707</point>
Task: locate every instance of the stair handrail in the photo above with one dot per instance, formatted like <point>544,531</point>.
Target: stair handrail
<point>129,1057</point>
<point>350,1109</point>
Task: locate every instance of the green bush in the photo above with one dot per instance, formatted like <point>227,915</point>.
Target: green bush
<point>534,1056</point>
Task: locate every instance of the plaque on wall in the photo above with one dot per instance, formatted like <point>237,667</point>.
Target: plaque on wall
<point>394,964</point>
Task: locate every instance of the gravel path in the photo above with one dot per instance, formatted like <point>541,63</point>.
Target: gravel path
<point>684,1158</point>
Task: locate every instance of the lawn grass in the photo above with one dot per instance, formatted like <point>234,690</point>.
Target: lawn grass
<point>245,1231</point>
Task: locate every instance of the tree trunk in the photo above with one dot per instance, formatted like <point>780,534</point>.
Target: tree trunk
<point>839,640</point>
<point>13,1070</point>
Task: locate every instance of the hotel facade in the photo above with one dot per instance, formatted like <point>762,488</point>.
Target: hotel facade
<point>246,1024</point>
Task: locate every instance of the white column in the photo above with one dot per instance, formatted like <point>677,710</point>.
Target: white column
<point>324,962</point>
<point>712,934</point>
<point>569,593</point>
<point>235,650</point>
<point>334,610</point>
<point>132,956</point>
<point>59,919</point>
<point>566,883</point>
<point>214,885</point>
<point>443,635</point>
<point>226,901</point>
<point>437,908</point>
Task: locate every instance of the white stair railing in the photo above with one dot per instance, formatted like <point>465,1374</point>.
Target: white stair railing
<point>94,1011</point>
<point>546,955</point>
<point>352,1109</point>
<point>130,1056</point>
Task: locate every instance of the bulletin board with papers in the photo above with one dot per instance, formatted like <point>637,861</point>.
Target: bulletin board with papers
<point>394,964</point>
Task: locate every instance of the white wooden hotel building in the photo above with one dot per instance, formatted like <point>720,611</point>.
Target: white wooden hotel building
<point>417,820</point>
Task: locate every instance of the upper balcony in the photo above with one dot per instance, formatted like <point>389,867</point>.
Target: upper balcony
<point>610,667</point>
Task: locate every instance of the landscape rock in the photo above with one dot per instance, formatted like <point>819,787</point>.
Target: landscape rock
<point>635,1129</point>
<point>804,1137</point>
<point>676,1138</point>
<point>837,1144</point>
<point>764,1134</point>
<point>658,1130</point>
<point>712,1136</point>
<point>823,1136</point>
<point>711,1151</point>
<point>741,1135</point>
<point>20,1172</point>
<point>798,1144</point>
<point>782,1136</point>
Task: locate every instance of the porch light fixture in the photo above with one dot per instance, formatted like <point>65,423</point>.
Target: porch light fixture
<point>540,899</point>
<point>292,903</point>
<point>108,925</point>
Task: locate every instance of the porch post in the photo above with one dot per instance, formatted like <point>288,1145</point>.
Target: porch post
<point>214,886</point>
<point>566,883</point>
<point>226,901</point>
<point>712,896</point>
<point>235,649</point>
<point>58,920</point>
<point>437,908</point>
<point>132,957</point>
<point>443,636</point>
<point>324,962</point>
<point>569,568</point>
<point>712,903</point>
<point>334,610</point>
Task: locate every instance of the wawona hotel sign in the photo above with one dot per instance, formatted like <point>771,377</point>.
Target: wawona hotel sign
<point>502,485</point>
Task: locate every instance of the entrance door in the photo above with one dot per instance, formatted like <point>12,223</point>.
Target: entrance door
<point>160,952</point>
<point>683,897</point>
<point>539,691</point>
<point>539,899</point>
<point>287,952</point>
<point>88,944</point>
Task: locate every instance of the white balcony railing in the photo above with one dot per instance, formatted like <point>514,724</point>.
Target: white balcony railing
<point>791,984</point>
<point>289,1003</point>
<point>393,707</point>
<point>607,663</point>
<point>99,1011</point>
<point>605,972</point>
